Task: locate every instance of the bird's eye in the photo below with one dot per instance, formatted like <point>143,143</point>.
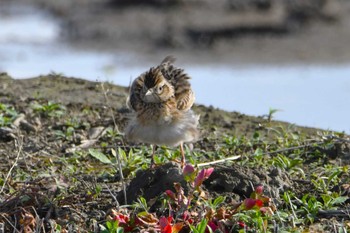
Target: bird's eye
<point>160,88</point>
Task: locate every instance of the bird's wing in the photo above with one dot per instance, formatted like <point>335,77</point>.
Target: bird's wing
<point>134,100</point>
<point>180,80</point>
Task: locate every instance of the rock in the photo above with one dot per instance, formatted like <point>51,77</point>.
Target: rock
<point>18,120</point>
<point>23,124</point>
<point>7,134</point>
<point>97,132</point>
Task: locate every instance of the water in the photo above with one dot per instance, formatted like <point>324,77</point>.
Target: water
<point>311,96</point>
<point>314,96</point>
<point>20,23</point>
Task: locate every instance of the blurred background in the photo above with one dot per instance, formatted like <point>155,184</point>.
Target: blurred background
<point>249,56</point>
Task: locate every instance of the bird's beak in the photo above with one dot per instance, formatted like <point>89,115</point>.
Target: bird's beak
<point>149,96</point>
<point>149,92</point>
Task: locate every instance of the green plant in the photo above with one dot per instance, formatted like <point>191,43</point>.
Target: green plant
<point>289,164</point>
<point>132,161</point>
<point>331,201</point>
<point>112,227</point>
<point>310,207</point>
<point>49,109</point>
<point>270,115</point>
<point>214,204</point>
<point>201,227</point>
<point>113,134</point>
<point>141,204</point>
<point>7,114</point>
<point>327,179</point>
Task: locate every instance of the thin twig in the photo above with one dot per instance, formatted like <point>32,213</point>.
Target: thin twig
<point>113,196</point>
<point>39,222</point>
<point>9,222</point>
<point>121,175</point>
<point>290,148</point>
<point>116,151</point>
<point>343,213</point>
<point>109,106</point>
<point>292,208</point>
<point>20,146</point>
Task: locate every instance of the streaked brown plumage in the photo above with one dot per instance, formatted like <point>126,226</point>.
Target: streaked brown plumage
<point>162,99</point>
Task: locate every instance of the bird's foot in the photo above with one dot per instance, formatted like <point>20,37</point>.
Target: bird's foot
<point>181,163</point>
<point>153,165</point>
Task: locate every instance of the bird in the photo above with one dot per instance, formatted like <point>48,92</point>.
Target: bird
<point>161,99</point>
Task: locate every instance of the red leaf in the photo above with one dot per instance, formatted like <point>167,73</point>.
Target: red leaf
<point>241,224</point>
<point>167,229</point>
<point>259,189</point>
<point>165,224</point>
<point>212,226</point>
<point>203,175</point>
<point>208,172</point>
<point>259,203</point>
<point>199,179</point>
<point>170,194</point>
<point>121,218</point>
<point>249,203</point>
<point>188,170</point>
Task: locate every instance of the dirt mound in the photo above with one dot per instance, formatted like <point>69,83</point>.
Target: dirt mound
<point>236,182</point>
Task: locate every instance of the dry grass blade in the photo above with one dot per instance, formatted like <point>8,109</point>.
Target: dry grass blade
<point>19,145</point>
<point>109,106</point>
<point>219,161</point>
<point>10,223</point>
<point>116,151</point>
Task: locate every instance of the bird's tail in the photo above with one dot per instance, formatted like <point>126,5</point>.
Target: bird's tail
<point>169,59</point>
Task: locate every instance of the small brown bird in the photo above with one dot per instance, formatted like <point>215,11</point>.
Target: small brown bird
<point>162,99</point>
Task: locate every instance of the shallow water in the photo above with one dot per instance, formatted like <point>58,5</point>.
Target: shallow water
<point>315,96</point>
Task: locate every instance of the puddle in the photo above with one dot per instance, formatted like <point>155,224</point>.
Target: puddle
<point>315,96</point>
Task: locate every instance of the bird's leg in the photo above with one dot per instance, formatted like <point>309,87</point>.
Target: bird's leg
<point>153,153</point>
<point>183,159</point>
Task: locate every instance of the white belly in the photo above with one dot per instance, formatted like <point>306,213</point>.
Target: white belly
<point>170,133</point>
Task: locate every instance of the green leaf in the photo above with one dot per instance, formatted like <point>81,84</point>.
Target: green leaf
<point>109,225</point>
<point>258,152</point>
<point>114,153</point>
<point>122,154</point>
<point>100,156</point>
<point>218,201</point>
<point>339,200</point>
<point>58,228</point>
<point>120,230</point>
<point>202,226</point>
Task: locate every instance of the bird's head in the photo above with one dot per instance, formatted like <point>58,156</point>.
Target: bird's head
<point>156,88</point>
